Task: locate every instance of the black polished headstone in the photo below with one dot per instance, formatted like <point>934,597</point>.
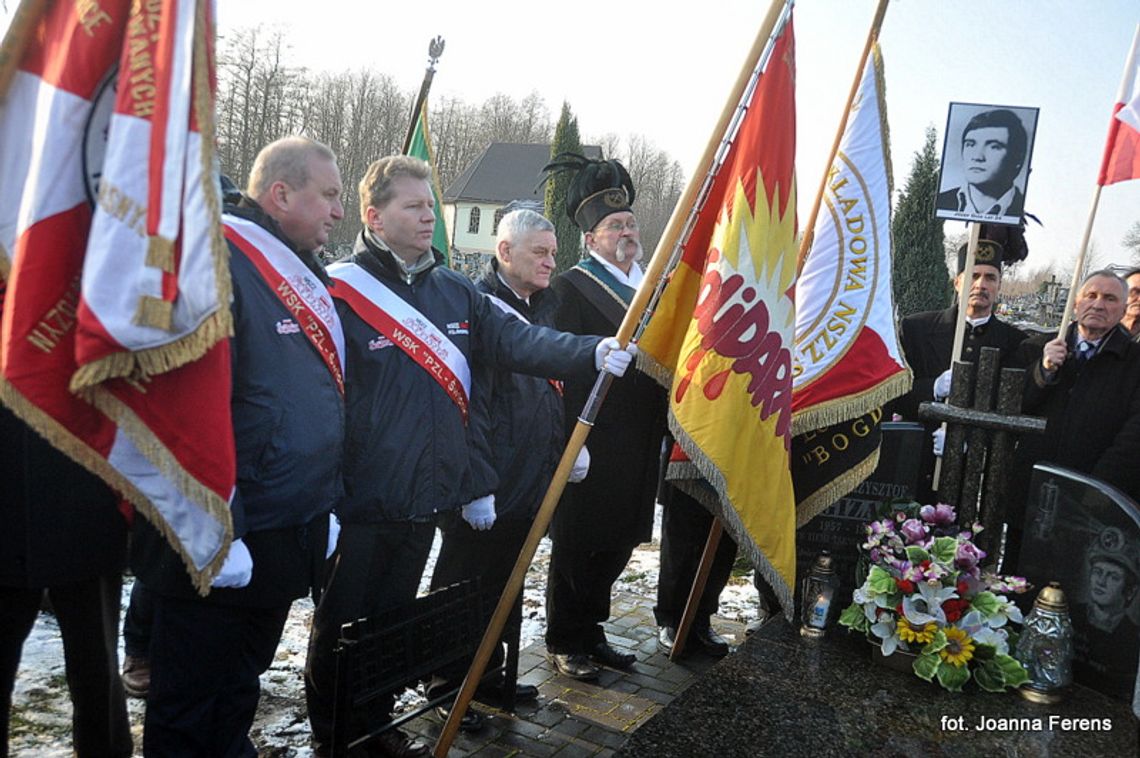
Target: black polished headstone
<point>1085,534</point>
<point>840,529</point>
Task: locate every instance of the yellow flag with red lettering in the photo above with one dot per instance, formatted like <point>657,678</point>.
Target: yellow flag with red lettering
<point>721,336</point>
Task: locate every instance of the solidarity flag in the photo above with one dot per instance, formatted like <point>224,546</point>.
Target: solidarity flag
<point>420,147</point>
<point>721,336</point>
<point>847,359</point>
<point>1122,151</point>
<point>115,280</point>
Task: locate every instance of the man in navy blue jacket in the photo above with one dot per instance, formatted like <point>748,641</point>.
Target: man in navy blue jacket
<point>414,330</point>
<point>288,416</point>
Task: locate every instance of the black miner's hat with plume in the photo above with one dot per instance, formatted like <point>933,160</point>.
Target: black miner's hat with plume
<point>1001,245</point>
<point>597,188</point>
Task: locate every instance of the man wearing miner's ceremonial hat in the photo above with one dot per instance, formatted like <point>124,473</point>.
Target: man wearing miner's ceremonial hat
<point>601,519</point>
<point>927,338</point>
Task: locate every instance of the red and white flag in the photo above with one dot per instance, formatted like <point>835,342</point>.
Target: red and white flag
<point>1122,150</point>
<point>115,278</point>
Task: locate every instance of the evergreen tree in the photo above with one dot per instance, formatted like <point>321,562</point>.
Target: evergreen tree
<point>920,276</point>
<point>566,139</point>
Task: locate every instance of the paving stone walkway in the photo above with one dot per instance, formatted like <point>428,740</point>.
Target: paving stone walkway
<point>573,718</point>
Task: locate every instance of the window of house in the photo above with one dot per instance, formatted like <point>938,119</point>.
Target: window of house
<point>498,217</point>
<point>473,222</point>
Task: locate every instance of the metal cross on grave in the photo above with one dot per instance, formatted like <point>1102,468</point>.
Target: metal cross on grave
<point>982,417</point>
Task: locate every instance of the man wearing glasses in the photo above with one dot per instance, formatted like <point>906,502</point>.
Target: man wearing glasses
<point>601,519</point>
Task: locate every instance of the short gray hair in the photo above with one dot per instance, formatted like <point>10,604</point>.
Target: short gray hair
<point>1109,275</point>
<point>285,160</point>
<point>521,222</point>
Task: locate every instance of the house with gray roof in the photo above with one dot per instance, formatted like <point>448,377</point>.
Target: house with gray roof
<point>504,177</point>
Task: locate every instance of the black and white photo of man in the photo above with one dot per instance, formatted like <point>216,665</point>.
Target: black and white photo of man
<point>989,160</point>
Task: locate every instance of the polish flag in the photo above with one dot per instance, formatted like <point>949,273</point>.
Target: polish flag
<point>114,284</point>
<point>1122,151</point>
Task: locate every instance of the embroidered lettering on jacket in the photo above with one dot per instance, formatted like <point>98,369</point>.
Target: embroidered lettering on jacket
<point>379,343</point>
<point>288,326</point>
<point>458,327</point>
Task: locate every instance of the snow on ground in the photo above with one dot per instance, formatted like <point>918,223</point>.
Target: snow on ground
<point>40,723</point>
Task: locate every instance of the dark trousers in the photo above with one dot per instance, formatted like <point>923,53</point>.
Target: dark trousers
<point>685,527</point>
<point>88,616</point>
<point>376,567</point>
<point>578,590</point>
<point>205,662</point>
<point>489,555</point>
<point>136,621</point>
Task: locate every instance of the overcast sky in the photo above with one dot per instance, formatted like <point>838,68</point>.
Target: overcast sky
<point>663,69</point>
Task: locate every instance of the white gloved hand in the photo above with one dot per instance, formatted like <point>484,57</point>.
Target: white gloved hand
<point>480,513</point>
<point>334,533</point>
<point>942,385</point>
<point>939,436</point>
<point>581,466</point>
<point>238,568</point>
<point>609,357</point>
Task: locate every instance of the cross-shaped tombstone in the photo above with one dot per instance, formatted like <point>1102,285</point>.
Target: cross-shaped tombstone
<point>983,413</point>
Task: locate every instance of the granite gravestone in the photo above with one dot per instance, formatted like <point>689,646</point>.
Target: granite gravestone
<point>840,528</point>
<point>1085,534</point>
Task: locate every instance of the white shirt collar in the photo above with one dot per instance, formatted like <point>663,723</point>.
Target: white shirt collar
<point>512,289</point>
<point>973,196</point>
<point>632,279</point>
<point>976,322</point>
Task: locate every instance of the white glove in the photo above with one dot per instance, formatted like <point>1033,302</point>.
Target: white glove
<point>334,532</point>
<point>942,385</point>
<point>581,466</point>
<point>238,568</point>
<point>939,436</point>
<point>480,514</point>
<point>608,356</point>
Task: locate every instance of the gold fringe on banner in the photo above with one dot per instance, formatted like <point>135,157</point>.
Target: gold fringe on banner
<point>845,408</point>
<point>160,253</point>
<point>823,498</point>
<point>155,312</point>
<point>732,521</point>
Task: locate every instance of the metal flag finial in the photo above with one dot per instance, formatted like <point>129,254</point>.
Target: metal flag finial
<point>435,50</point>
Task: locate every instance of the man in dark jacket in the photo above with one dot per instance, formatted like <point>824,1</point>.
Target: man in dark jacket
<point>62,533</point>
<point>1087,386</point>
<point>927,340</point>
<point>601,519</point>
<point>525,439</point>
<point>287,353</point>
<point>415,334</point>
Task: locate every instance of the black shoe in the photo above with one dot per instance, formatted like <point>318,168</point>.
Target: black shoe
<point>709,642</point>
<point>575,666</point>
<point>605,654</point>
<point>492,694</point>
<point>471,722</point>
<point>665,638</point>
<point>396,744</point>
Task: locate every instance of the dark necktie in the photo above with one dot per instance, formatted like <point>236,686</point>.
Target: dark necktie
<point>1085,351</point>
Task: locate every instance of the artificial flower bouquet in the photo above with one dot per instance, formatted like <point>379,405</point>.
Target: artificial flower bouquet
<point>926,593</point>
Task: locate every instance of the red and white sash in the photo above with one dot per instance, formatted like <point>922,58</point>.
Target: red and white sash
<point>510,310</point>
<point>407,328</point>
<point>298,288</point>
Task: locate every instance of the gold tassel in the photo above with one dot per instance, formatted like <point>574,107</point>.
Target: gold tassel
<point>823,498</point>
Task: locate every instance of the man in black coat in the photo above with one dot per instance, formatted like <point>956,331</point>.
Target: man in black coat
<point>525,439</point>
<point>287,404</point>
<point>1087,386</point>
<point>927,340</point>
<point>600,520</point>
<point>63,533</point>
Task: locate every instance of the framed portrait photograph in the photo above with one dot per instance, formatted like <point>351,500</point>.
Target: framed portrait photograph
<point>985,163</point>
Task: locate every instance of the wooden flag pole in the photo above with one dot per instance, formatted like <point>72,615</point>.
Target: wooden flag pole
<point>681,633</point>
<point>960,326</point>
<point>809,229</point>
<point>653,275</point>
<point>435,50</point>
<point>1079,268</point>
<point>16,39</point>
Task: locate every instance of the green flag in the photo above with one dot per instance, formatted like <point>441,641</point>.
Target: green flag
<point>420,147</point>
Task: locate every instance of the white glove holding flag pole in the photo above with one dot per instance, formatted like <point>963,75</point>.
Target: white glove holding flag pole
<point>609,357</point>
<point>942,386</point>
<point>939,436</point>
<point>581,466</point>
<point>480,513</point>
<point>334,533</point>
<point>238,568</point>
